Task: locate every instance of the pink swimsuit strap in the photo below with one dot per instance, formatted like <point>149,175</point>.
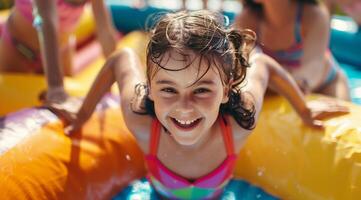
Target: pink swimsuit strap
<point>173,186</point>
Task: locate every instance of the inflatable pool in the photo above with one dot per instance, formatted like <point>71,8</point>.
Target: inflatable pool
<point>283,158</point>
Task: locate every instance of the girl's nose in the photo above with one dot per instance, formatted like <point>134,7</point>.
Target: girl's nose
<point>185,105</point>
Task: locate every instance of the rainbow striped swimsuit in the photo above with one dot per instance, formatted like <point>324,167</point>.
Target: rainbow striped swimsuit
<point>172,186</point>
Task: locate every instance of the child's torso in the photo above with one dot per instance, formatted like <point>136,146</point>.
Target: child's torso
<point>213,162</point>
<point>284,44</point>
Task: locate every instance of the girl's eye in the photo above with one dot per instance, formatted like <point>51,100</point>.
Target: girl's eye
<point>201,91</point>
<point>168,90</point>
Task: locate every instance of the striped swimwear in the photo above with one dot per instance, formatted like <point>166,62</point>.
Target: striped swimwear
<point>173,186</point>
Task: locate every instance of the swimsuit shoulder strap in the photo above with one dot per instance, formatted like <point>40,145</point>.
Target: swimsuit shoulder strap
<point>154,137</point>
<point>227,134</point>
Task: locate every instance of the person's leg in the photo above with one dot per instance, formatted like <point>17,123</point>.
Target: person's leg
<point>10,59</point>
<point>205,4</point>
<point>184,4</point>
<point>67,51</point>
<point>338,87</point>
<point>335,83</point>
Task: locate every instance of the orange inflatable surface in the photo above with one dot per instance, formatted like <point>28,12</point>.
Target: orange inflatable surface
<point>46,164</point>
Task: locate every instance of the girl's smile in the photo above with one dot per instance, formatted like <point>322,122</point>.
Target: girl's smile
<point>186,125</point>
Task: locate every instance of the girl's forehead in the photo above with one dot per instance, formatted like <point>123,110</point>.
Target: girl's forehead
<point>185,68</point>
<point>184,72</point>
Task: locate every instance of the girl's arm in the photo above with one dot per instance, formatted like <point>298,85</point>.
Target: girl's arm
<point>122,67</point>
<point>104,28</point>
<point>265,71</point>
<point>45,23</point>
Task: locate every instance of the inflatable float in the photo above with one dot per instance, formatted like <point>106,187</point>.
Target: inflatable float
<point>283,157</point>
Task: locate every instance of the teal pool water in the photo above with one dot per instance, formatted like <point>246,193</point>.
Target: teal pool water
<point>235,190</point>
<point>354,76</point>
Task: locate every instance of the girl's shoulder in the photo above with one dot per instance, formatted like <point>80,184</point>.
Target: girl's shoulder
<point>239,134</point>
<point>139,125</point>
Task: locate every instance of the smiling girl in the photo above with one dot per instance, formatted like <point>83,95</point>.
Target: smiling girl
<point>197,103</point>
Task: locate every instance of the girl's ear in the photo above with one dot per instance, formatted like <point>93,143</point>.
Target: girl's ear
<point>150,96</point>
<point>226,92</point>
<point>225,97</point>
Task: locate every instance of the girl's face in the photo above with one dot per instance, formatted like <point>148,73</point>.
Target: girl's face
<point>187,108</point>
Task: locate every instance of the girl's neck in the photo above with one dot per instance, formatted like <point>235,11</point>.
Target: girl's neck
<point>279,15</point>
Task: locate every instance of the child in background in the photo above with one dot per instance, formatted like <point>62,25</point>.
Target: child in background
<point>296,34</point>
<point>351,7</point>
<point>36,39</point>
<point>197,103</point>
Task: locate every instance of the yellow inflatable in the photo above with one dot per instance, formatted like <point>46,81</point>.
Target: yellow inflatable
<point>86,26</point>
<point>294,161</point>
<point>283,156</point>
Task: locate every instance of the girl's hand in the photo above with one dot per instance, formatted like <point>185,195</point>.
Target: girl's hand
<point>66,108</point>
<point>68,111</point>
<point>75,125</point>
<point>321,109</point>
<point>55,95</point>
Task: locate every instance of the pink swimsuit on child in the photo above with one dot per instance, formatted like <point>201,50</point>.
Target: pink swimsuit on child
<point>173,186</point>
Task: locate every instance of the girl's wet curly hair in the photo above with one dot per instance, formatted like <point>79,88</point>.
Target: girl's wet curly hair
<point>205,34</point>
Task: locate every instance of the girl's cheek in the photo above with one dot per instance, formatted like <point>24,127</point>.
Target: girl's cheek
<point>165,101</point>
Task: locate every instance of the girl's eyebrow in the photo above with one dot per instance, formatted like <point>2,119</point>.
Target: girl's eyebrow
<point>165,82</point>
<point>201,82</point>
<point>205,82</point>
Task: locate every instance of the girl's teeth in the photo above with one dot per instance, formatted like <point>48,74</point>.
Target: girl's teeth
<point>186,122</point>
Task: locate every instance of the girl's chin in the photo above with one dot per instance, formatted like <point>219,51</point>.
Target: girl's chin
<point>185,141</point>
